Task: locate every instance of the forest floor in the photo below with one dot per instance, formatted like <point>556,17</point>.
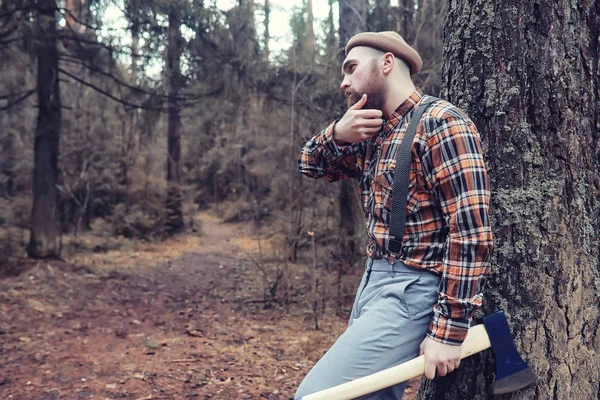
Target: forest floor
<point>171,320</point>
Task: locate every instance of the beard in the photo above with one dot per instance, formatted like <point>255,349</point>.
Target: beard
<point>376,92</point>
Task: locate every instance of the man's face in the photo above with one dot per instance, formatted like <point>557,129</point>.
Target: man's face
<point>362,74</point>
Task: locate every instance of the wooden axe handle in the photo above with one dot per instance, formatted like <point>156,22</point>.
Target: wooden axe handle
<point>477,340</point>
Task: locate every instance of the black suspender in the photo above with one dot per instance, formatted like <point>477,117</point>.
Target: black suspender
<point>400,187</point>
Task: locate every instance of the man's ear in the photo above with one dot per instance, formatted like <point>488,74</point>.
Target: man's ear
<point>388,63</point>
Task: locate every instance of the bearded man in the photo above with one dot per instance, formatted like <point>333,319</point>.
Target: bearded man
<point>418,296</point>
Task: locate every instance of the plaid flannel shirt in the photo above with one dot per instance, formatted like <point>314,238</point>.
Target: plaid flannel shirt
<point>447,222</point>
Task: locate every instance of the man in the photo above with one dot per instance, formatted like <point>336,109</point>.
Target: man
<point>421,299</point>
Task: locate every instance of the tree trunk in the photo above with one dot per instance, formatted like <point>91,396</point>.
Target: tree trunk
<point>379,19</point>
<point>174,195</point>
<point>310,33</point>
<point>134,10</point>
<point>353,19</point>
<point>44,238</point>
<point>528,75</point>
<point>267,35</point>
<point>331,45</point>
<point>74,10</point>
<point>406,21</point>
<point>247,30</point>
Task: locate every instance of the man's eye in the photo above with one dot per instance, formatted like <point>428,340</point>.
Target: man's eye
<point>352,67</point>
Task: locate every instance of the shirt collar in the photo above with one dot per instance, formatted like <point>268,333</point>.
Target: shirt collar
<point>403,109</point>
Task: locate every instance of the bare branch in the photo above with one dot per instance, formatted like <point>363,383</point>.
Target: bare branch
<point>21,98</point>
<point>64,12</point>
<point>9,41</point>
<point>189,100</point>
<point>107,94</point>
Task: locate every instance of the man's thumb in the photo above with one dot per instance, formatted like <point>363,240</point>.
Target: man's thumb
<point>360,103</point>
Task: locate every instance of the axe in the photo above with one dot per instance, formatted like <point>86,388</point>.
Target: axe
<point>512,373</point>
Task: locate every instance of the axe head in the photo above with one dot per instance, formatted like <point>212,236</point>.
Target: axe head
<point>512,373</point>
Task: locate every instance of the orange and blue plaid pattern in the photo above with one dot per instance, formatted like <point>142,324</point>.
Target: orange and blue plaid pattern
<point>447,219</point>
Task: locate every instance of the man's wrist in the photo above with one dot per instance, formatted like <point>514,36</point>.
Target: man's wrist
<point>337,141</point>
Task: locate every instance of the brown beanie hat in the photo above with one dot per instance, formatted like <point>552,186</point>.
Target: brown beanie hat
<point>388,41</point>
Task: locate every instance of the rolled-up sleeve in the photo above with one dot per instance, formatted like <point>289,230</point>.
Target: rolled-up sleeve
<point>321,157</point>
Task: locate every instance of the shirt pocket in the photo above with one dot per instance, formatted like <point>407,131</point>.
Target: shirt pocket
<point>386,182</point>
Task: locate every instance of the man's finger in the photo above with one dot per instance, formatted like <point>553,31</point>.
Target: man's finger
<point>368,131</point>
<point>450,367</point>
<point>429,369</point>
<point>360,103</point>
<point>441,369</point>
<point>373,122</point>
<point>369,113</point>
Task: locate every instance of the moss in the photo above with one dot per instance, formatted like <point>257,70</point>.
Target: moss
<point>530,205</point>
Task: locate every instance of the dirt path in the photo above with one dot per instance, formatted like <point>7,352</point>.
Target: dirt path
<point>163,321</point>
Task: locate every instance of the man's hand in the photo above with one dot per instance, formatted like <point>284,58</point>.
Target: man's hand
<point>357,124</point>
<point>442,357</point>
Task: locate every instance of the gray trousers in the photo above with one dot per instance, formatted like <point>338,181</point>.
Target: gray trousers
<point>389,319</point>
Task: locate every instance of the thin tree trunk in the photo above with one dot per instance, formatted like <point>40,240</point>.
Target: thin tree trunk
<point>8,164</point>
<point>528,75</point>
<point>134,10</point>
<point>73,15</point>
<point>248,31</point>
<point>267,35</point>
<point>331,46</point>
<point>310,33</point>
<point>407,28</point>
<point>353,19</point>
<point>379,19</point>
<point>174,195</point>
<point>44,238</point>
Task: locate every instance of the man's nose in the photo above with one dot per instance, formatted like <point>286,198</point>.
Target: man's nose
<point>345,84</point>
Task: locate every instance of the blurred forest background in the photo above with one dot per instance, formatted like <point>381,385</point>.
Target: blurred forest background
<point>133,124</point>
<point>183,109</point>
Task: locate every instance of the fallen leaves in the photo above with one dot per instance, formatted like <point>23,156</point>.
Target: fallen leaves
<point>187,312</point>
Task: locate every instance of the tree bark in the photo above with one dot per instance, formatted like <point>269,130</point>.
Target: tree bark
<point>174,195</point>
<point>44,238</point>
<point>528,75</point>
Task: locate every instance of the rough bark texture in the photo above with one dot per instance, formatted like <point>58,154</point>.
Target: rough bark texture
<point>44,238</point>
<point>527,74</point>
<point>174,197</point>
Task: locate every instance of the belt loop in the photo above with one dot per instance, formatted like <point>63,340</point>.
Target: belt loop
<point>392,262</point>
